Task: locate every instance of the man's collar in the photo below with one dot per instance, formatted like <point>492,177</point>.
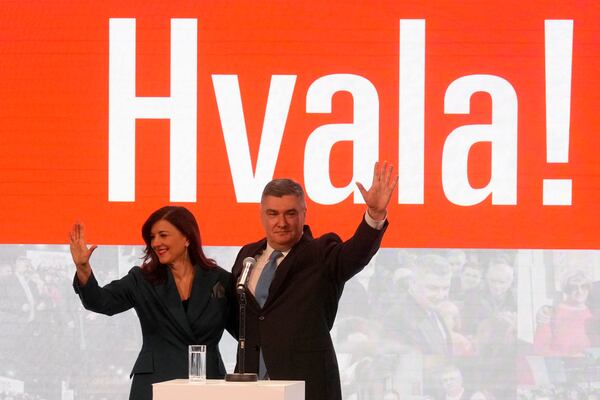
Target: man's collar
<point>270,249</point>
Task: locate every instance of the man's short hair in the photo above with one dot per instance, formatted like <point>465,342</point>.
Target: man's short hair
<point>284,187</point>
<point>498,261</point>
<point>432,263</point>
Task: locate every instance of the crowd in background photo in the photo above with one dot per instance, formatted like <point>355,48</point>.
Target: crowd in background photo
<point>415,324</point>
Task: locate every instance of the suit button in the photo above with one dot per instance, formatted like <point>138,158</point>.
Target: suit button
<point>261,318</point>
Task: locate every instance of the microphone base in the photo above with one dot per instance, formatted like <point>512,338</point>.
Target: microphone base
<point>247,377</point>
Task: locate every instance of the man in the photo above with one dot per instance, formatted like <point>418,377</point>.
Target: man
<point>469,279</point>
<point>457,259</point>
<point>415,320</point>
<point>495,297</point>
<point>452,383</point>
<point>297,282</point>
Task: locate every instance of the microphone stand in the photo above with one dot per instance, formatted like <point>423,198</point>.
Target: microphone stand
<point>242,376</point>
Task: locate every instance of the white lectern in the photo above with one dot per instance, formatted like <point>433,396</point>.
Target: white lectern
<point>216,389</point>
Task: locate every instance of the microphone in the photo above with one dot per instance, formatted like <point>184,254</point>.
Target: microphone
<point>248,263</point>
<point>243,376</point>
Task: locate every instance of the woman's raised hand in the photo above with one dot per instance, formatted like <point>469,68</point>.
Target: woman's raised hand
<point>80,252</point>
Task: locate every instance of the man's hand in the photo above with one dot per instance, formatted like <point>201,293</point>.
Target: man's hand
<point>379,194</point>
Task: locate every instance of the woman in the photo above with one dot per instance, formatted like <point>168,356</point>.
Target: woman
<point>180,296</point>
<point>566,332</point>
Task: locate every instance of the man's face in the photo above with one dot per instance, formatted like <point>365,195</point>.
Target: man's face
<point>452,382</point>
<point>457,260</point>
<point>283,219</point>
<point>470,278</point>
<point>499,279</point>
<point>430,289</point>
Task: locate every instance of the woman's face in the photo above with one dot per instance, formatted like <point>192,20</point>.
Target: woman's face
<point>577,290</point>
<point>169,244</point>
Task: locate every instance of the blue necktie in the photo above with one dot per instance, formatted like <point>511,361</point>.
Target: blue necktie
<point>261,293</point>
<point>266,277</point>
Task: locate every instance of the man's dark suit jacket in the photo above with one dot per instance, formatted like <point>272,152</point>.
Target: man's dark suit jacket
<point>166,327</point>
<point>479,304</point>
<point>293,327</point>
<point>412,326</point>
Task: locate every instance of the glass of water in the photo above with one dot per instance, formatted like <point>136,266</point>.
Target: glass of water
<point>197,363</point>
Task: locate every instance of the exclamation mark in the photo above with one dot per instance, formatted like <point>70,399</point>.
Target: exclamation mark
<point>559,49</point>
